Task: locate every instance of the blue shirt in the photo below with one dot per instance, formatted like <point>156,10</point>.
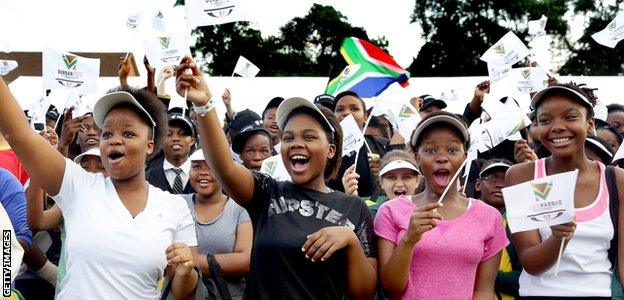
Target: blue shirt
<point>13,199</point>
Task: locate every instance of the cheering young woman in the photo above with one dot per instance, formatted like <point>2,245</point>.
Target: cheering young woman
<point>310,242</point>
<point>120,232</point>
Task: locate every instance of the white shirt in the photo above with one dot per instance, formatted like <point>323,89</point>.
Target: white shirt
<point>171,175</point>
<point>109,254</point>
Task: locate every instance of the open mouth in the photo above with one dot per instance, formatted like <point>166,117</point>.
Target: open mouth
<point>274,128</point>
<point>299,162</point>
<point>115,156</point>
<point>398,193</point>
<point>442,177</point>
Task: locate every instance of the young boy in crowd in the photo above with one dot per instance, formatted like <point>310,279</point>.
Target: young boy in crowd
<point>172,174</point>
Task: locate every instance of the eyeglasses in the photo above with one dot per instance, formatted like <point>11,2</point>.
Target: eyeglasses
<point>493,179</point>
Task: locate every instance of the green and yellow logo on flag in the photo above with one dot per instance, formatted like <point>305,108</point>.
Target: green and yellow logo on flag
<point>500,49</point>
<point>542,190</point>
<point>70,60</point>
<point>526,73</point>
<point>406,112</point>
<point>164,42</point>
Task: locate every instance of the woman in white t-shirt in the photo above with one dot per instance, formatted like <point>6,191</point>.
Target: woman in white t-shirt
<point>121,232</point>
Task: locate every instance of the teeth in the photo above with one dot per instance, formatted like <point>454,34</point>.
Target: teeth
<point>204,181</point>
<point>299,157</point>
<point>561,140</point>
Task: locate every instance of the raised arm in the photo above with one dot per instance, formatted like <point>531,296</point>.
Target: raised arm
<point>235,179</point>
<point>44,164</point>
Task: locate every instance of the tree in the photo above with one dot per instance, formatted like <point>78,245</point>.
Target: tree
<point>305,46</point>
<point>458,32</point>
<point>589,57</point>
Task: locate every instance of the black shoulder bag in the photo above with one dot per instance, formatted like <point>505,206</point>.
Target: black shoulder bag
<point>217,289</point>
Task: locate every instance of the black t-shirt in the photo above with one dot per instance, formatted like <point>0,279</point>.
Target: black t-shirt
<point>283,215</point>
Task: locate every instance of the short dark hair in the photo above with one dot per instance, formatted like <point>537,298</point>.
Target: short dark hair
<point>334,137</point>
<point>154,107</point>
<point>612,130</point>
<point>348,93</point>
<point>397,155</point>
<point>273,103</point>
<point>615,107</point>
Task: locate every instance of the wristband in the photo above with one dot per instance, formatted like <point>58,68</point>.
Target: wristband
<point>203,110</point>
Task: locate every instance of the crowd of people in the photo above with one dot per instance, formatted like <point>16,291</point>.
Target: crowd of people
<point>132,201</point>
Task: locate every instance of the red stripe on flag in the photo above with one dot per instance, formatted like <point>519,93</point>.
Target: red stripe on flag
<point>376,53</point>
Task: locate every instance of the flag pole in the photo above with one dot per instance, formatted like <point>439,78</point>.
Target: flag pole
<point>452,181</point>
<point>357,153</point>
<point>559,256</point>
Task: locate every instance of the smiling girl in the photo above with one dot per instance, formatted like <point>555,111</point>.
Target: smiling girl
<point>565,117</point>
<point>432,251</point>
<point>310,242</point>
<point>121,232</point>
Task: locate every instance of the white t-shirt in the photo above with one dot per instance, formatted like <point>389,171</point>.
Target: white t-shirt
<point>109,254</point>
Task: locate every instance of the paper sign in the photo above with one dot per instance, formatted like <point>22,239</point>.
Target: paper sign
<point>7,66</point>
<point>400,113</point>
<point>274,167</point>
<point>507,51</point>
<point>63,70</point>
<point>530,80</point>
<point>538,27</point>
<point>613,33</point>
<point>352,137</point>
<point>205,13</point>
<point>38,111</point>
<point>497,72</point>
<point>164,50</point>
<point>540,203</point>
<point>245,68</point>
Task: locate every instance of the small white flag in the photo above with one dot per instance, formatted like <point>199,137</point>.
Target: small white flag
<point>400,113</point>
<point>63,70</point>
<point>274,167</point>
<point>7,66</point>
<point>529,79</point>
<point>507,51</point>
<point>159,22</point>
<point>352,137</point>
<point>538,27</point>
<point>38,112</point>
<point>497,72</point>
<point>550,202</point>
<point>134,19</point>
<point>205,13</point>
<point>177,102</point>
<point>166,50</point>
<point>505,123</point>
<point>245,68</point>
<point>613,33</point>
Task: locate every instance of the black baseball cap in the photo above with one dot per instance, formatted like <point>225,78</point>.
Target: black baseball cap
<point>428,100</point>
<point>239,140</point>
<point>325,100</point>
<point>241,120</point>
<point>495,163</point>
<point>273,103</point>
<point>182,120</point>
